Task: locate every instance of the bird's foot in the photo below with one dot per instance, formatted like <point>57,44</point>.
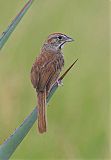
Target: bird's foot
<point>60,83</point>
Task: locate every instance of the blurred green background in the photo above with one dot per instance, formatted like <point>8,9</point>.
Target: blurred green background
<point>78,114</point>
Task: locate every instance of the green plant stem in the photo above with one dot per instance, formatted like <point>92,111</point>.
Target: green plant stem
<point>9,146</point>
<point>6,34</point>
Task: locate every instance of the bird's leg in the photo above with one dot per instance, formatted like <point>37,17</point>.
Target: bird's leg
<point>59,82</point>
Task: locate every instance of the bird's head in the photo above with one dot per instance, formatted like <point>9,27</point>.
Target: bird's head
<point>57,40</point>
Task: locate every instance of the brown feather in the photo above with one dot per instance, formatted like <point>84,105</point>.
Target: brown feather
<point>45,72</point>
<point>42,111</point>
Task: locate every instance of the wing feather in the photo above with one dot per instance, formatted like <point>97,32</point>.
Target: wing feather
<point>44,70</point>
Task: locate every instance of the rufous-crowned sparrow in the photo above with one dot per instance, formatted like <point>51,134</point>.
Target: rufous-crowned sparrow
<point>45,72</point>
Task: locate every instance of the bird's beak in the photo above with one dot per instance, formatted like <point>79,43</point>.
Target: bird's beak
<point>68,39</point>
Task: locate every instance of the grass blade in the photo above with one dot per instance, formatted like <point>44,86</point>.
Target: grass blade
<point>10,145</point>
<point>6,34</point>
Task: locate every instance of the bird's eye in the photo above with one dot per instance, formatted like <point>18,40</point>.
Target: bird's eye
<point>59,37</point>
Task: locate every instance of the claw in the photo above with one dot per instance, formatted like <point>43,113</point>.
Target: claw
<point>60,83</point>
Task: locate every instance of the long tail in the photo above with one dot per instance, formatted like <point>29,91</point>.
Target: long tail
<point>42,111</point>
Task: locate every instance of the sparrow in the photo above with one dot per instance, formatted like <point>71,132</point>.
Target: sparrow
<point>45,72</point>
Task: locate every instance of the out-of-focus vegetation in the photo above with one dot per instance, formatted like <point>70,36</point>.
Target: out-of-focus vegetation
<point>78,114</point>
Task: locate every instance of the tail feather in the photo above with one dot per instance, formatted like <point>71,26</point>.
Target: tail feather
<point>42,111</point>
